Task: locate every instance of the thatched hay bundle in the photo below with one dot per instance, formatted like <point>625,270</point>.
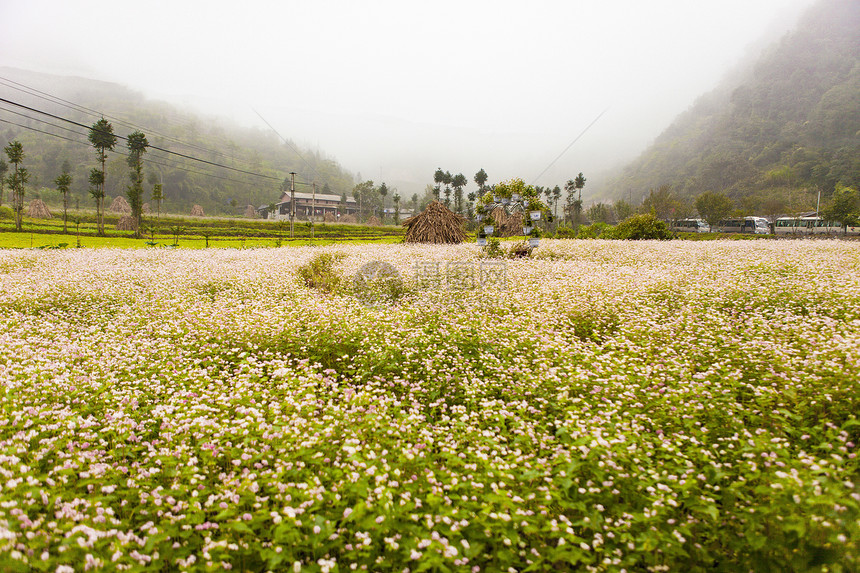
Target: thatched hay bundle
<point>120,205</point>
<point>38,210</point>
<point>374,221</point>
<point>197,211</point>
<point>126,223</point>
<point>507,225</point>
<point>436,224</point>
<point>348,219</point>
<point>330,218</point>
<point>146,209</point>
<point>250,212</point>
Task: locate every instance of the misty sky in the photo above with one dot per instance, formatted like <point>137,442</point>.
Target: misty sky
<point>394,89</point>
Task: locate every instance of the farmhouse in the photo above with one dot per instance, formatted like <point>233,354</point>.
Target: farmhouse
<point>320,204</point>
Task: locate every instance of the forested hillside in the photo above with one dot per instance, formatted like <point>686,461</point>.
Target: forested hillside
<point>219,166</point>
<point>787,126</point>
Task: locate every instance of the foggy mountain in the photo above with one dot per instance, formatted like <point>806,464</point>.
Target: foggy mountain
<point>219,165</point>
<point>790,120</point>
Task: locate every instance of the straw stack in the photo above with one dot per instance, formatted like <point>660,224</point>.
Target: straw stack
<point>330,218</point>
<point>126,223</point>
<point>120,205</point>
<point>436,224</point>
<point>38,210</point>
<point>197,211</point>
<point>250,212</point>
<point>374,221</point>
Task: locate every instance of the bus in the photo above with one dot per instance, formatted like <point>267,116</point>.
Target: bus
<point>789,226</point>
<point>755,225</point>
<point>690,226</point>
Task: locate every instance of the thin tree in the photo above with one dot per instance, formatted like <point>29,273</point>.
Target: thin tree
<point>446,180</point>
<point>3,169</point>
<point>137,145</point>
<point>64,182</point>
<point>17,180</point>
<point>580,183</point>
<point>97,184</point>
<point>158,197</point>
<point>383,191</point>
<point>481,180</point>
<point>470,206</point>
<point>573,207</point>
<point>556,195</point>
<point>458,182</point>
<point>396,208</point>
<point>438,178</point>
<point>103,139</point>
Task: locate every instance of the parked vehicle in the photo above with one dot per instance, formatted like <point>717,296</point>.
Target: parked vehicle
<point>690,226</point>
<point>788,226</point>
<point>755,225</point>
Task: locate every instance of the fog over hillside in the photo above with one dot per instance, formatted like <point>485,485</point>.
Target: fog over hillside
<point>786,122</point>
<point>394,90</point>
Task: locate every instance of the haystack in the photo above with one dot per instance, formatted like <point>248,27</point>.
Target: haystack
<point>436,224</point>
<point>374,221</point>
<point>507,225</point>
<point>250,212</point>
<point>348,219</point>
<point>126,223</point>
<point>197,211</point>
<point>120,205</point>
<point>146,209</point>
<point>38,210</point>
<point>330,218</point>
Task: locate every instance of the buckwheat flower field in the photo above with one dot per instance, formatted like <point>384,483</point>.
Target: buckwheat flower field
<point>609,406</point>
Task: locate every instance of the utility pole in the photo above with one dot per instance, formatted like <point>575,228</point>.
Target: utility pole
<point>313,209</point>
<point>292,201</point>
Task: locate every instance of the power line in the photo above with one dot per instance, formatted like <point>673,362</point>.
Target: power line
<point>150,146</point>
<point>39,130</point>
<point>288,143</point>
<point>87,111</point>
<point>569,146</point>
<point>149,161</point>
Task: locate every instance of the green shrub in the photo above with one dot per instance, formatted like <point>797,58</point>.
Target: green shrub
<point>493,249</point>
<point>319,273</point>
<point>596,231</point>
<point>565,233</point>
<point>6,212</point>
<point>520,249</point>
<point>638,227</point>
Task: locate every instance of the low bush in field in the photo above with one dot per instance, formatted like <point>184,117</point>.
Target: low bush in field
<point>596,231</point>
<point>320,273</point>
<point>638,227</point>
<point>565,233</point>
<point>635,406</point>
